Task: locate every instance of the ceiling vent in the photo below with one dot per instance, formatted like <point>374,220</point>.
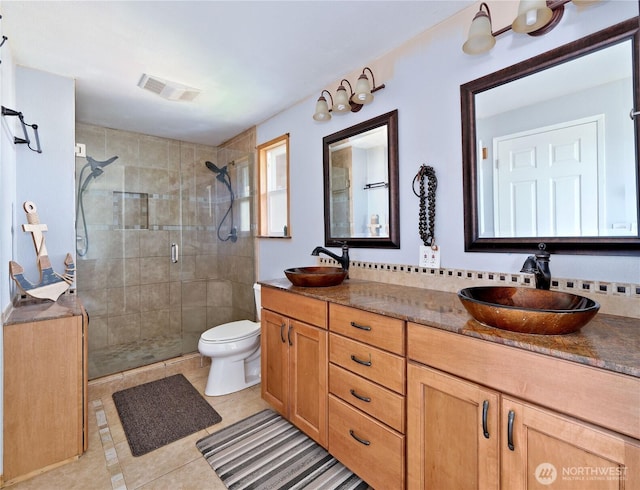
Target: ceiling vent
<point>166,89</point>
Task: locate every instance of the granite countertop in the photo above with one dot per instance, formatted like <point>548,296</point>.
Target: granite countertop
<point>32,310</point>
<point>608,342</point>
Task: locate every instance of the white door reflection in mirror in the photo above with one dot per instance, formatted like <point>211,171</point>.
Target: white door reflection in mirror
<point>547,182</point>
<point>586,194</point>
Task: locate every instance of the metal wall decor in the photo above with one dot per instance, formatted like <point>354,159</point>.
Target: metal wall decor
<point>26,140</point>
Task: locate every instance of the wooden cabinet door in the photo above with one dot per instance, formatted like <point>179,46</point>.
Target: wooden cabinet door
<point>294,363</point>
<point>543,449</point>
<point>275,361</point>
<point>453,433</point>
<point>308,366</point>
<point>43,394</point>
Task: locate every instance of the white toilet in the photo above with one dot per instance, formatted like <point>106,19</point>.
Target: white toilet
<point>234,349</point>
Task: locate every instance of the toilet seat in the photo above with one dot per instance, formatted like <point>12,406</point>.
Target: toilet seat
<point>231,332</point>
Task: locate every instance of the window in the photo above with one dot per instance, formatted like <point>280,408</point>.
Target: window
<point>273,185</point>
<point>243,194</point>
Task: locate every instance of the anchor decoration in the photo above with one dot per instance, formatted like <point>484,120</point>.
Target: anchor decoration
<point>51,284</point>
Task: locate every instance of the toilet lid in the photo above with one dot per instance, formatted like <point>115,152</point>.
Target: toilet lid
<point>229,332</point>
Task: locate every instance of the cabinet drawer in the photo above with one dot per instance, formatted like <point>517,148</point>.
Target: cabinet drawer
<point>374,400</point>
<point>598,396</point>
<point>378,457</point>
<point>374,364</point>
<point>309,310</point>
<point>380,331</point>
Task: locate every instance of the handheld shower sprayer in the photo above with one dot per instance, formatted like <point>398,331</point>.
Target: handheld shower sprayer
<point>222,175</point>
<point>94,164</point>
<point>214,168</point>
<point>96,169</point>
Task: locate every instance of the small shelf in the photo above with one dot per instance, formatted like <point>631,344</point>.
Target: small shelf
<point>375,185</point>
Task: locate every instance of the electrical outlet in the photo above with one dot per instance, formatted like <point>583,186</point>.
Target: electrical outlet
<point>430,257</point>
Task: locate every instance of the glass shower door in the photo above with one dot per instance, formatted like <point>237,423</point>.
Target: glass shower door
<point>129,217</point>
<point>217,270</point>
<point>155,265</point>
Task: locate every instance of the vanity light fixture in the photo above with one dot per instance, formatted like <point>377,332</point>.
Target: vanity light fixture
<point>351,101</point>
<point>323,113</point>
<point>480,38</point>
<point>342,102</point>
<point>535,17</point>
<point>532,15</point>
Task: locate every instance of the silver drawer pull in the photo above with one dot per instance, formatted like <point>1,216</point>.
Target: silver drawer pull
<point>360,397</point>
<point>361,441</point>
<point>361,327</point>
<point>360,361</point>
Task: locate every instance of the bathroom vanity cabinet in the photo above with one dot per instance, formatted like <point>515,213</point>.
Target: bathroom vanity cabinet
<point>465,431</point>
<point>419,396</point>
<point>45,386</point>
<point>366,394</point>
<point>294,360</point>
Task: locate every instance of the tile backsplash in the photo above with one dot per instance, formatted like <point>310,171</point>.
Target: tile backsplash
<point>621,299</point>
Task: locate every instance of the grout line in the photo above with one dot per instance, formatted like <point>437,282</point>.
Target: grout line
<point>110,453</point>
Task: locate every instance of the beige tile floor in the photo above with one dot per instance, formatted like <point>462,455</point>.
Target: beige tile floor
<point>108,463</point>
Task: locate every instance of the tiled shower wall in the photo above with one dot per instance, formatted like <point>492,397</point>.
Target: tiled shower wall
<point>143,307</point>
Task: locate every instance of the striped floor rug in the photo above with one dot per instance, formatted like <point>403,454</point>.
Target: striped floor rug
<point>266,452</point>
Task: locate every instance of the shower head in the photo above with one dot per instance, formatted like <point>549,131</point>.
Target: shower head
<point>221,174</point>
<point>96,166</point>
<point>96,170</point>
<point>215,169</point>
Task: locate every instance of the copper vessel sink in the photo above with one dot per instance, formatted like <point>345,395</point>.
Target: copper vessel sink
<point>528,310</point>
<point>316,277</point>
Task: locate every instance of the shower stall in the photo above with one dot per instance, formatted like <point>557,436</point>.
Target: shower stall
<point>164,246</point>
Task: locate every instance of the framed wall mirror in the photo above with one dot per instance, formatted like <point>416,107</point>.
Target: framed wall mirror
<point>551,149</point>
<point>361,205</point>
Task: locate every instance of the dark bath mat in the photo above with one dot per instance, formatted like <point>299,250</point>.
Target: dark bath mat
<point>160,412</point>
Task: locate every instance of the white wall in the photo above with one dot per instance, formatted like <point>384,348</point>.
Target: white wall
<point>423,79</point>
<point>46,178</point>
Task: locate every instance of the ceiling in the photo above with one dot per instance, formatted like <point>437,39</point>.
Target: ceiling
<point>249,59</point>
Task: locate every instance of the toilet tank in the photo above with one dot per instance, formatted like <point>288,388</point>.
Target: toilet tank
<point>256,293</point>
